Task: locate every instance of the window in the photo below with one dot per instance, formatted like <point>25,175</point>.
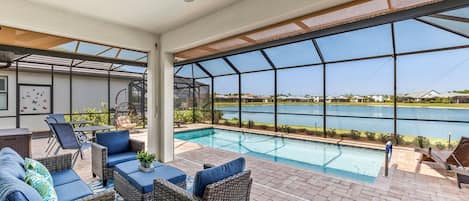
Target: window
<point>226,100</point>
<point>257,90</point>
<point>203,98</point>
<point>250,61</point>
<point>295,54</point>
<point>3,93</point>
<point>373,41</point>
<point>191,71</point>
<point>440,87</point>
<point>358,96</point>
<point>412,35</point>
<point>217,67</point>
<point>300,98</point>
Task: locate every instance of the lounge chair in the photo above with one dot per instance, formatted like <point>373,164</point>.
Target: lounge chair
<point>124,123</point>
<point>456,160</point>
<point>52,140</point>
<point>68,139</point>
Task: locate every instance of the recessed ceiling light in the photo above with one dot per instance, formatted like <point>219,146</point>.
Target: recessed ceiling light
<point>188,1</point>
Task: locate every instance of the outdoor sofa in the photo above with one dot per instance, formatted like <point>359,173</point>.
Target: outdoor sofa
<point>67,184</point>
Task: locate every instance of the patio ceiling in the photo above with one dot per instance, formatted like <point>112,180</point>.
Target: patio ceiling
<point>156,16</point>
<point>317,23</point>
<point>29,42</point>
<point>441,31</point>
<point>37,51</point>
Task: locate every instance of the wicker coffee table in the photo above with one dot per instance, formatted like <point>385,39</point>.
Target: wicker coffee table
<point>133,184</point>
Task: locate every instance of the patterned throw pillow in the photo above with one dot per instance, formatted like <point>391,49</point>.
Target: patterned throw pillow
<point>36,166</point>
<point>41,185</point>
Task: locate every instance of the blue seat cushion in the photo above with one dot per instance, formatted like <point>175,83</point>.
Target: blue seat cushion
<point>114,159</point>
<point>11,154</point>
<point>115,141</point>
<point>73,191</point>
<point>131,166</point>
<point>64,177</point>
<point>143,181</point>
<point>11,167</point>
<point>215,174</point>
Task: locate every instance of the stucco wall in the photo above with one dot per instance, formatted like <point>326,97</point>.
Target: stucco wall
<point>87,92</point>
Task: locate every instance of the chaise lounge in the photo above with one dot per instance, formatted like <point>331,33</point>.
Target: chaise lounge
<point>456,160</point>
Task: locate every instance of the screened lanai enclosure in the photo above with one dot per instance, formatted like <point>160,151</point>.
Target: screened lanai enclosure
<point>44,74</point>
<point>398,81</point>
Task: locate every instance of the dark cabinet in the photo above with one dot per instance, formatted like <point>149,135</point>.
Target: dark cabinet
<point>17,138</point>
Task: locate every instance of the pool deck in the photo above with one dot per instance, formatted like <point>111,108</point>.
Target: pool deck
<point>407,180</point>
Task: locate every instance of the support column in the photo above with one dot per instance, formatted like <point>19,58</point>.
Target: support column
<point>109,97</point>
<point>213,100</point>
<point>17,93</point>
<point>394,58</point>
<point>160,104</point>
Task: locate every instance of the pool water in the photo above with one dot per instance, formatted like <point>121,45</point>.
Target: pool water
<point>354,163</point>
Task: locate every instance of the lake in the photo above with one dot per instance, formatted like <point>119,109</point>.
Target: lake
<point>404,126</point>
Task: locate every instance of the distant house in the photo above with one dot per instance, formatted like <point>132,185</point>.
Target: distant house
<point>419,96</point>
<point>246,98</point>
<point>226,98</point>
<point>294,99</point>
<point>250,98</point>
<point>337,99</point>
<point>316,99</point>
<point>377,98</point>
<point>455,97</point>
<point>358,99</point>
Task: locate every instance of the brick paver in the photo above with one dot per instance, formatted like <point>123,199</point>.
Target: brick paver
<point>408,180</point>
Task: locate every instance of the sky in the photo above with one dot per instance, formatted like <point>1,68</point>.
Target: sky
<point>442,71</point>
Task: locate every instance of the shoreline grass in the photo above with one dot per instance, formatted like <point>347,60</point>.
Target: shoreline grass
<point>364,136</point>
<point>384,104</point>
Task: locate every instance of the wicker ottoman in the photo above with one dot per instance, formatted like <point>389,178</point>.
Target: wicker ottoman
<point>133,184</point>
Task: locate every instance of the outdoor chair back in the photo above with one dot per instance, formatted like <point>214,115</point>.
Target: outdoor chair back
<point>67,139</point>
<point>51,141</point>
<point>65,135</point>
<point>229,181</point>
<point>58,118</point>
<point>50,121</point>
<point>460,155</point>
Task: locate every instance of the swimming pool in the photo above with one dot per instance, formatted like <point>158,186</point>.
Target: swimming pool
<point>355,163</point>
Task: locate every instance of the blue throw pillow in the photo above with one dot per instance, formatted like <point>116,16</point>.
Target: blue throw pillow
<point>115,141</point>
<point>10,186</point>
<point>8,152</point>
<point>215,174</point>
<point>12,168</point>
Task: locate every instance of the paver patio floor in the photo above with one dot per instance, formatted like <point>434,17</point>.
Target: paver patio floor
<point>408,180</point>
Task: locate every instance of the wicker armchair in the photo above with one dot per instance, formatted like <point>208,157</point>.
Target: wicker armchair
<point>99,159</point>
<point>234,188</point>
<point>64,162</point>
